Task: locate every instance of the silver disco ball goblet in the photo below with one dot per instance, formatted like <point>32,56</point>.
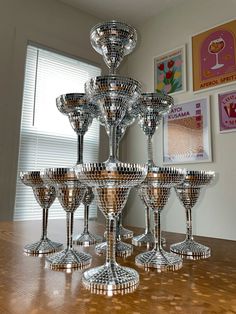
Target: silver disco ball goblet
<point>111,184</point>
<point>188,193</point>
<point>45,195</point>
<point>156,188</point>
<point>150,109</point>
<point>70,193</point>
<point>86,238</point>
<point>113,40</point>
<point>80,113</point>
<point>112,95</point>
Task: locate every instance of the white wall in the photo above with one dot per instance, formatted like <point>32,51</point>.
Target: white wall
<point>215,213</point>
<point>47,22</point>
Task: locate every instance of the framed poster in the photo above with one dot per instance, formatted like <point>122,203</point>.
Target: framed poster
<point>227,111</point>
<point>214,57</point>
<point>169,72</point>
<point>186,133</point>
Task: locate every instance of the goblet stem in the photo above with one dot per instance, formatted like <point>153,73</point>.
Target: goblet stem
<point>117,148</point>
<point>121,248</point>
<point>118,225</point>
<point>150,151</point>
<point>45,223</point>
<point>157,230</point>
<point>112,70</point>
<point>86,214</point>
<point>189,230</point>
<point>147,220</point>
<point>69,224</point>
<point>112,144</point>
<point>111,223</point>
<point>80,147</point>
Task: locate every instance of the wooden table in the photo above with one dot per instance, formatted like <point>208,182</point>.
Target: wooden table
<point>26,286</point>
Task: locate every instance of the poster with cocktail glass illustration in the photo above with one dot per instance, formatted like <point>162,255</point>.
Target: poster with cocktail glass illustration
<point>187,133</point>
<point>214,57</point>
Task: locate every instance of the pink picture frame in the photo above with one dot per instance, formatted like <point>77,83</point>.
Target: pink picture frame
<point>227,111</point>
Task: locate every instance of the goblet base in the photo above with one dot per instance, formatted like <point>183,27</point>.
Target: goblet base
<point>161,260</point>
<point>125,233</point>
<point>143,239</point>
<point>68,259</point>
<point>110,279</point>
<point>122,249</point>
<point>191,249</point>
<point>44,246</point>
<point>87,239</point>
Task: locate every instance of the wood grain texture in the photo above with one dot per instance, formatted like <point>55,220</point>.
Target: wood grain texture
<point>26,286</point>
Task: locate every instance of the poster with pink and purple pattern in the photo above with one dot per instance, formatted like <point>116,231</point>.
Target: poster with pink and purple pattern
<point>187,133</point>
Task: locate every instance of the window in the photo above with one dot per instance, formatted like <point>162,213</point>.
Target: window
<point>44,130</point>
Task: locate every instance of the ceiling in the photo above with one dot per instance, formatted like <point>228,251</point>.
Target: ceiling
<point>130,11</point>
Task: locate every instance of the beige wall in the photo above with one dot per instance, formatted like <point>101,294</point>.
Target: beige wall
<point>215,214</point>
<point>49,23</point>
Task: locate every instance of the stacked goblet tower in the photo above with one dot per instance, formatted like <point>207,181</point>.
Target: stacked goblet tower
<point>115,101</point>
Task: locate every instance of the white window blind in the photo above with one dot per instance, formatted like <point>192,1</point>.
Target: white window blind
<point>47,139</point>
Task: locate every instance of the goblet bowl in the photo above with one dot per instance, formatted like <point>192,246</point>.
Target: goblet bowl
<point>113,40</point>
